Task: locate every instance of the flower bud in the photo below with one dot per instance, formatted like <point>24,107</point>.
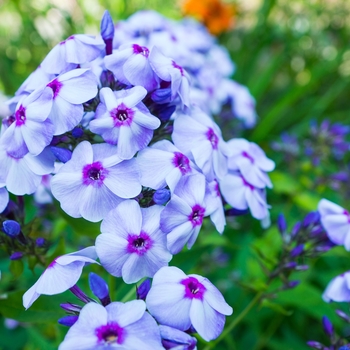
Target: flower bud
<point>77,132</point>
<point>107,31</point>
<point>281,223</point>
<point>11,228</point>
<point>297,250</point>
<point>143,289</point>
<point>327,326</point>
<point>68,320</point>
<point>40,242</point>
<point>311,218</point>
<point>161,196</point>
<point>62,154</point>
<point>99,287</point>
<point>16,256</point>
<point>314,344</point>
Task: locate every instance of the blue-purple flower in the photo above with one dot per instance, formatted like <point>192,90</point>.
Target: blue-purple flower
<point>131,244</point>
<point>182,301</point>
<point>123,120</point>
<point>95,181</point>
<point>116,326</point>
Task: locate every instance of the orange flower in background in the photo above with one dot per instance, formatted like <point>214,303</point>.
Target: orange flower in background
<point>214,14</point>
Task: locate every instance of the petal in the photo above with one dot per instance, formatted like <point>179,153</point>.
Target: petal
<point>111,250</point>
<point>207,322</point>
<point>126,314</point>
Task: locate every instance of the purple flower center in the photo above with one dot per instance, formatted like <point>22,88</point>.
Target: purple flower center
<point>52,264</point>
<point>55,85</point>
<point>139,244</point>
<point>182,162</point>
<point>175,65</point>
<point>111,333</point>
<point>20,116</point>
<point>212,137</point>
<point>122,115</point>
<point>140,50</point>
<point>193,288</point>
<point>247,155</point>
<point>94,174</point>
<point>196,217</point>
<point>247,184</point>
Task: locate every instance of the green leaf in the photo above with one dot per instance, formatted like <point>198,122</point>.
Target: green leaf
<point>307,200</point>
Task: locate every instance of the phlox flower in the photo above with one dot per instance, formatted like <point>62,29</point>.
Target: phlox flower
<point>199,136</point>
<point>338,289</point>
<point>68,92</point>
<point>123,120</point>
<point>248,158</point>
<point>242,195</point>
<point>130,66</point>
<point>116,326</point>
<point>23,175</point>
<point>131,244</point>
<point>179,301</point>
<point>336,222</point>
<point>30,130</point>
<point>62,274</point>
<point>170,163</point>
<point>169,71</point>
<point>94,181</point>
<point>76,50</point>
<point>183,216</point>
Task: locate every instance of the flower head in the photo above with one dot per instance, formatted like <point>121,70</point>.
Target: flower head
<point>179,301</point>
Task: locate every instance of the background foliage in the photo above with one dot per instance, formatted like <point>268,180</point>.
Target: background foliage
<point>295,58</point>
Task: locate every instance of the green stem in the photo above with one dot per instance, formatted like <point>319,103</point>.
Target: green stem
<point>236,321</point>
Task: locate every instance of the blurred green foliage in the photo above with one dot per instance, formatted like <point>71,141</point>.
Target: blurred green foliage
<point>295,58</point>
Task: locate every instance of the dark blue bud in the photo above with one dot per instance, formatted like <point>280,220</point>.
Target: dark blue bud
<point>107,31</point>
<point>292,284</point>
<point>40,242</point>
<point>161,196</point>
<point>68,320</point>
<point>16,256</point>
<point>345,347</point>
<point>107,78</point>
<point>290,265</point>
<point>327,326</point>
<point>311,218</point>
<point>99,287</point>
<point>11,228</point>
<point>143,289</point>
<point>107,26</point>
<point>297,250</point>
<point>281,223</point>
<point>295,229</point>
<point>77,132</point>
<point>315,344</point>
<point>164,111</point>
<point>62,154</point>
<point>343,315</point>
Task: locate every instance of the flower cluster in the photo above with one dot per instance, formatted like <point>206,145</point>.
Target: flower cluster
<point>120,128</point>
